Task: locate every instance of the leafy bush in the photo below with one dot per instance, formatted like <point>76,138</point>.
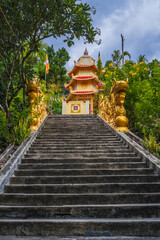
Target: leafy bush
<point>53,100</point>
<point>151,145</point>
<point>21,131</point>
<point>4,132</point>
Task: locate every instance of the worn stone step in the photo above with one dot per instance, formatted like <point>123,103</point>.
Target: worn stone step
<point>81,227</point>
<point>77,139</point>
<point>78,238</point>
<point>83,179</point>
<point>73,142</point>
<point>82,211</point>
<point>67,172</point>
<point>77,199</point>
<point>79,151</point>
<point>113,165</point>
<point>76,132</point>
<point>67,199</point>
<point>75,145</point>
<point>74,128</point>
<point>79,136</point>
<point>102,159</point>
<point>78,155</point>
<point>84,188</point>
<point>49,128</point>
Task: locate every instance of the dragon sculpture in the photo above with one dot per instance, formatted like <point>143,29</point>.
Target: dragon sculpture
<point>111,108</point>
<point>37,104</point>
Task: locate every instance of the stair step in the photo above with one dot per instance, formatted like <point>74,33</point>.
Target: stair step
<point>79,151</point>
<point>48,142</point>
<point>58,172</point>
<point>81,227</point>
<point>82,166</point>
<point>79,238</point>
<point>78,155</point>
<point>76,147</point>
<point>77,199</point>
<point>27,159</point>
<point>84,188</point>
<point>82,211</point>
<point>83,179</point>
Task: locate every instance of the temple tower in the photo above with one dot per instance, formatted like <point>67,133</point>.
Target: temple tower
<point>83,86</point>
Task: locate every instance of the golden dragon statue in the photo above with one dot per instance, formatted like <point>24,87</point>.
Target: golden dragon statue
<point>111,108</point>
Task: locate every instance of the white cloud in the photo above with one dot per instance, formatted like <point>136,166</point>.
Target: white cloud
<point>138,21</point>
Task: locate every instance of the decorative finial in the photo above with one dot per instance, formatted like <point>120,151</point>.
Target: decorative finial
<point>99,56</point>
<point>85,52</point>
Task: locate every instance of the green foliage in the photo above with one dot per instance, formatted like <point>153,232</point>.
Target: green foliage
<point>21,131</point>
<point>53,100</point>
<point>24,24</point>
<point>57,70</point>
<point>142,58</point>
<point>3,130</point>
<point>151,145</point>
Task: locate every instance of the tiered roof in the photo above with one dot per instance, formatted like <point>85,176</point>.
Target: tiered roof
<point>77,75</point>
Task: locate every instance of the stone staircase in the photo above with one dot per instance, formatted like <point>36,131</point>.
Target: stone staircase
<point>81,179</point>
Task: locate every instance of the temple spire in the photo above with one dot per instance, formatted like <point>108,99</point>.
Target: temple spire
<point>85,52</point>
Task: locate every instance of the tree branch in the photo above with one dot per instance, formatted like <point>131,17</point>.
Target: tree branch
<point>5,64</point>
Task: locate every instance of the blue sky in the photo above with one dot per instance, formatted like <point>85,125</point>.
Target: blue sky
<point>137,20</point>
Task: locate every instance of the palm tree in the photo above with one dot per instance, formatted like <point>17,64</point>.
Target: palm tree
<point>117,56</point>
<point>142,58</point>
<point>126,53</point>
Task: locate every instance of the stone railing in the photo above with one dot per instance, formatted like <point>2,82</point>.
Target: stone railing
<point>111,107</point>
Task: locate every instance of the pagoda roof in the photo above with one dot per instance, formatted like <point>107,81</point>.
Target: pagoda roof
<point>81,78</point>
<point>80,93</point>
<point>77,66</point>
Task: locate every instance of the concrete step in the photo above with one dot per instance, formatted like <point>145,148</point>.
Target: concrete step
<point>52,128</point>
<point>82,166</point>
<point>81,227</point>
<point>76,131</point>
<point>78,139</point>
<point>82,211</point>
<point>72,127</point>
<point>70,172</point>
<point>77,238</point>
<point>87,151</point>
<point>51,145</point>
<point>79,155</point>
<point>77,136</point>
<point>28,159</point>
<point>47,142</point>
<point>77,198</point>
<point>83,179</point>
<point>84,188</point>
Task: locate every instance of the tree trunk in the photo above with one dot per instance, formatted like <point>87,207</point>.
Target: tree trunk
<point>122,49</point>
<point>24,94</point>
